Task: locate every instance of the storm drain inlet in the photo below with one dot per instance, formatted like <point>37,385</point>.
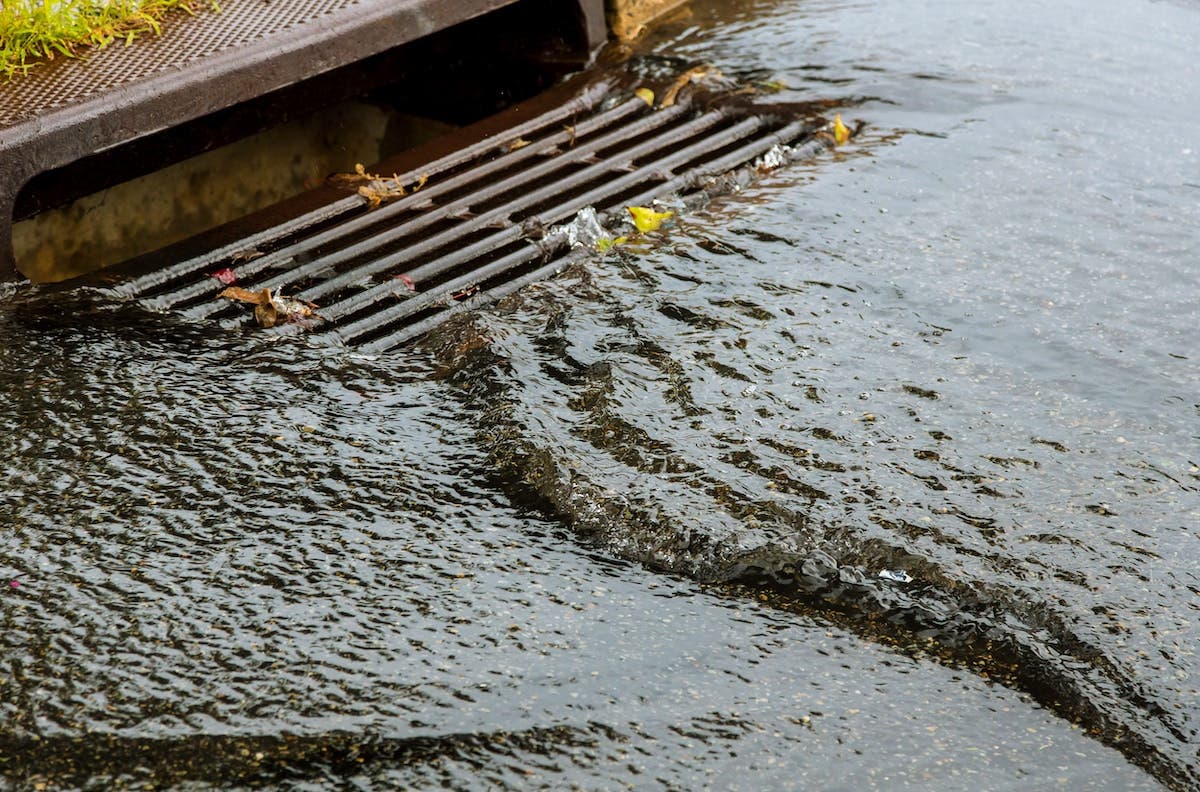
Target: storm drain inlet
<point>383,265</point>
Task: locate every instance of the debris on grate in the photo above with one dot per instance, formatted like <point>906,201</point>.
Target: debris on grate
<point>375,268</point>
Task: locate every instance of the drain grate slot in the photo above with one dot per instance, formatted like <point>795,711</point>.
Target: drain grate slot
<point>475,231</point>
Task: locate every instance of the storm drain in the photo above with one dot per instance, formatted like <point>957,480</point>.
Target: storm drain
<point>381,270</point>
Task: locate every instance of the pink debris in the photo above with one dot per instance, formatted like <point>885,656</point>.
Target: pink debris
<point>407,281</point>
<point>226,276</point>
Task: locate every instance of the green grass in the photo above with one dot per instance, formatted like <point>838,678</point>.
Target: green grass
<point>35,31</point>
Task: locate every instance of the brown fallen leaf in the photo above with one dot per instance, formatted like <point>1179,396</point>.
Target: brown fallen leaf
<point>271,309</point>
<point>266,314</point>
<point>245,295</point>
<point>374,187</point>
<point>672,93</point>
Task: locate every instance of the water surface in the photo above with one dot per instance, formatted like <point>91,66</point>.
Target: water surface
<point>883,473</point>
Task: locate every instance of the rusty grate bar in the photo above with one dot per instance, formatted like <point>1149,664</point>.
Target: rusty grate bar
<point>477,231</point>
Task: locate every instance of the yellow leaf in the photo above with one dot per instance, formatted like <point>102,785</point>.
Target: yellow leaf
<point>840,133</point>
<point>647,220</point>
<point>604,244</point>
<point>646,95</point>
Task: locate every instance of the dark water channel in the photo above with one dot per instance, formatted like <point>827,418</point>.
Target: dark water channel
<point>883,474</point>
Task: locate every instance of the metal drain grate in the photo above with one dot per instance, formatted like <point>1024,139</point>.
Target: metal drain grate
<point>476,231</point>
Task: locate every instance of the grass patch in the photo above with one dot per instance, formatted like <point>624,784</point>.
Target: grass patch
<point>35,31</point>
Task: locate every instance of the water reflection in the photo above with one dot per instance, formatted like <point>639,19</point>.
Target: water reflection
<point>960,357</point>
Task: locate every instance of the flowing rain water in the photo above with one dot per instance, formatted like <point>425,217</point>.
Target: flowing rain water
<point>884,472</point>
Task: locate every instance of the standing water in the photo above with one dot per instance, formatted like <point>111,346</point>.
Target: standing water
<point>883,473</point>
